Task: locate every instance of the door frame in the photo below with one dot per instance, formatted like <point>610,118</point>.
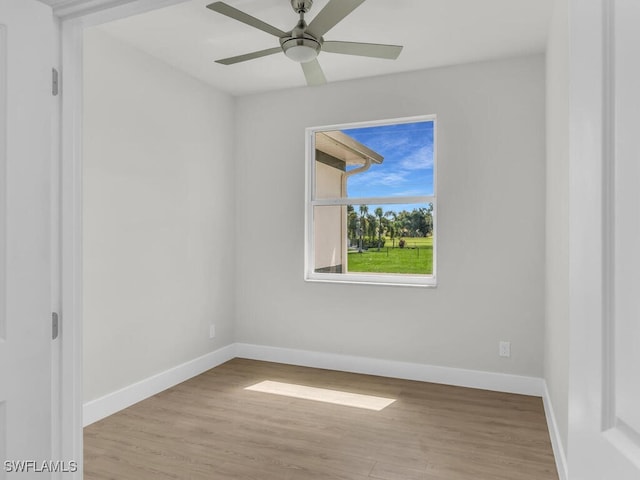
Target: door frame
<point>71,21</point>
<point>592,403</point>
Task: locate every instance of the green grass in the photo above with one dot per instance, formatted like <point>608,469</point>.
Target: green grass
<point>415,258</point>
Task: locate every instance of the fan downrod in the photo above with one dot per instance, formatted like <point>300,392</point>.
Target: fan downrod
<point>301,6</point>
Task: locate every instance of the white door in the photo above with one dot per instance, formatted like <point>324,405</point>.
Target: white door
<point>604,438</point>
<point>26,40</point>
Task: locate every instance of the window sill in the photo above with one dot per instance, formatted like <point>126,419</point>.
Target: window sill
<point>374,279</point>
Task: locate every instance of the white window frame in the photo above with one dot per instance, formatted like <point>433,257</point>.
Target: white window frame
<point>391,279</point>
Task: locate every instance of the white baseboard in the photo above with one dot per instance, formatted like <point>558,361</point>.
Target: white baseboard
<point>102,407</point>
<point>125,397</point>
<point>554,433</point>
<point>499,382</point>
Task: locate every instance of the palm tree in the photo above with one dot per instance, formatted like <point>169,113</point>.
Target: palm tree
<point>352,224</point>
<point>429,219</point>
<point>403,223</point>
<point>363,213</point>
<point>371,228</point>
<point>392,225</point>
<point>379,214</point>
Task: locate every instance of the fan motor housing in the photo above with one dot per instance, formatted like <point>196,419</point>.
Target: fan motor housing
<point>301,5</point>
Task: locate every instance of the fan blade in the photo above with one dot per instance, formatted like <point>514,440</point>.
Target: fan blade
<point>236,14</point>
<point>390,52</point>
<point>249,56</point>
<point>331,15</point>
<point>313,73</point>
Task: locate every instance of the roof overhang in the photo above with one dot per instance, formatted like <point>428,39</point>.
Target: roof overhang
<point>345,148</point>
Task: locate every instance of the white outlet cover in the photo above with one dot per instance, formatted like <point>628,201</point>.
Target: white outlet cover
<point>212,331</point>
<point>504,349</point>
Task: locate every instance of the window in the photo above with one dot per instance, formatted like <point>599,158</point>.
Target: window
<point>371,203</point>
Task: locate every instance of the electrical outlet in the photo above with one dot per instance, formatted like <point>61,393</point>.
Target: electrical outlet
<point>212,330</point>
<point>504,349</point>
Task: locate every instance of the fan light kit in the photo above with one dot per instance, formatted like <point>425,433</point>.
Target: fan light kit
<point>301,50</point>
<point>305,42</point>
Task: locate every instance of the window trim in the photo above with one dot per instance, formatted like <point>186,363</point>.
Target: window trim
<point>391,279</point>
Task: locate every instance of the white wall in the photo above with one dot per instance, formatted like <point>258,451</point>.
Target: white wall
<point>491,187</point>
<point>556,355</point>
<point>158,216</point>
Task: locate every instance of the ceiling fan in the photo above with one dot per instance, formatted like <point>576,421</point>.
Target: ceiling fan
<point>305,42</point>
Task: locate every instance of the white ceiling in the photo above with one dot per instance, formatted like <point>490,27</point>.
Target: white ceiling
<point>54,3</point>
<point>434,33</point>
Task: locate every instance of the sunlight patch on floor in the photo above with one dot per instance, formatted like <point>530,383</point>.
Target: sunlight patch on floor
<point>337,397</point>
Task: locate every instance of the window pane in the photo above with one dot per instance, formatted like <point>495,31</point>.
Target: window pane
<point>374,239</point>
<point>376,161</point>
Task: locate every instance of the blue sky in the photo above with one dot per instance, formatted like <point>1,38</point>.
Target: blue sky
<point>407,169</point>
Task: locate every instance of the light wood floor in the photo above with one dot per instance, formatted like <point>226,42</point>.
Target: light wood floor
<point>211,428</point>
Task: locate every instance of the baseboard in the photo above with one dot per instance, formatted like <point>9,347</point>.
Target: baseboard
<point>388,368</point>
<point>554,433</point>
<point>109,404</point>
<point>114,402</point>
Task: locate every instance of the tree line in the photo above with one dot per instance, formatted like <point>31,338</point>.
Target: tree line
<point>369,230</point>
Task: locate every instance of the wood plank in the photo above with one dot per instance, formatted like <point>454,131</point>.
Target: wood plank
<point>211,427</point>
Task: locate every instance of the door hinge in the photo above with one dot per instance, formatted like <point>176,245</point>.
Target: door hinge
<point>55,325</point>
<point>55,88</point>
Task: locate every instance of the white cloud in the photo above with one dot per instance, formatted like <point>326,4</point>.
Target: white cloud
<point>410,193</point>
<point>393,142</point>
<point>421,159</point>
<point>388,179</point>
